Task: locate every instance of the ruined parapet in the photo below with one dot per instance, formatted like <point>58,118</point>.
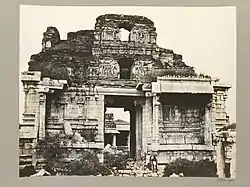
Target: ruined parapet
<point>141,29</point>
<point>81,41</point>
<point>51,37</point>
<point>100,54</point>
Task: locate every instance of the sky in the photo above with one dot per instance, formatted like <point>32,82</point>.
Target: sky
<point>205,36</point>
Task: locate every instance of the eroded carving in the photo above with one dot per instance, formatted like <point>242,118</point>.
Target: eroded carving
<point>108,68</point>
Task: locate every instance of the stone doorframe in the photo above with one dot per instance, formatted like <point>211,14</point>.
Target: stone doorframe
<point>136,118</point>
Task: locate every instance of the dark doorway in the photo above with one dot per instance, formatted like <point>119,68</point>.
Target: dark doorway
<point>122,138</point>
<point>125,67</point>
<point>108,139</point>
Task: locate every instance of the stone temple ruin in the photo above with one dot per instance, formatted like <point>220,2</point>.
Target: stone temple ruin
<point>174,112</point>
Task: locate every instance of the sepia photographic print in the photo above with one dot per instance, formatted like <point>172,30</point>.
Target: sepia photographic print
<point>127,91</point>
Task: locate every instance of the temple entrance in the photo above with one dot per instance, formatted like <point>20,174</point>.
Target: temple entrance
<point>122,125</point>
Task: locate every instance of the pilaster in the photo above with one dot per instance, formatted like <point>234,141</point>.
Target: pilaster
<point>220,158</point>
<point>233,159</point>
<point>155,132</point>
<point>208,124</point>
<point>147,121</point>
<point>138,130</point>
<point>42,111</point>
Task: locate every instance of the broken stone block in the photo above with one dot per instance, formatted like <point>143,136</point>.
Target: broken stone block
<point>67,128</point>
<point>174,175</point>
<point>107,148</point>
<point>78,138</point>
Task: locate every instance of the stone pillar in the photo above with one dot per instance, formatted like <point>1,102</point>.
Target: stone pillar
<point>220,158</point>
<point>233,160</point>
<point>208,124</point>
<point>26,91</point>
<point>147,121</point>
<point>132,133</point>
<point>213,112</point>
<point>42,110</point>
<point>155,133</point>
<point>101,111</point>
<point>34,155</point>
<point>114,140</point>
<point>138,131</point>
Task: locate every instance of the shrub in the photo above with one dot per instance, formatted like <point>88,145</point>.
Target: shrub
<point>89,134</point>
<point>27,171</point>
<point>86,164</point>
<point>119,160</point>
<point>50,149</point>
<point>202,168</point>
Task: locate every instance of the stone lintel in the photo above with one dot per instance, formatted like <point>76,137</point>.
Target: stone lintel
<point>191,87</point>
<point>189,79</point>
<point>222,86</point>
<point>31,76</point>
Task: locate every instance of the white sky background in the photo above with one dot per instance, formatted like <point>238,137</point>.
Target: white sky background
<point>206,37</point>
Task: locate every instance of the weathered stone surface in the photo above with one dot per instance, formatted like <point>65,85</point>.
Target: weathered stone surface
<point>71,82</point>
<point>86,54</point>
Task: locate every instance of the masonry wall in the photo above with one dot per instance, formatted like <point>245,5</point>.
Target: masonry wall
<point>73,106</point>
<point>196,155</point>
<point>182,119</point>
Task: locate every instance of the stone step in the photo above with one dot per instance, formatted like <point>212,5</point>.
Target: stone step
<point>25,155</point>
<point>28,119</point>
<point>29,115</point>
<point>25,160</point>
<point>28,135</point>
<point>27,123</point>
<point>139,172</point>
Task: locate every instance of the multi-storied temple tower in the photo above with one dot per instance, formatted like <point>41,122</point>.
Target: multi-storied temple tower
<point>174,112</point>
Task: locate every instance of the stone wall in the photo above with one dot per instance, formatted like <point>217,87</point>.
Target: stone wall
<point>182,119</point>
<point>77,108</point>
<point>169,156</point>
<point>219,104</point>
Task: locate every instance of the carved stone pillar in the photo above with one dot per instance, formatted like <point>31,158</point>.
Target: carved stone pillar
<point>42,110</point>
<point>138,130</point>
<point>233,160</point>
<point>213,112</point>
<point>114,140</point>
<point>128,141</point>
<point>101,128</point>
<point>208,125</point>
<point>147,121</point>
<point>155,133</point>
<point>220,158</point>
<point>26,91</point>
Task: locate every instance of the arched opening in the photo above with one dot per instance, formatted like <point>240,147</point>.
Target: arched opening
<point>124,34</point>
<point>125,67</point>
<point>125,29</point>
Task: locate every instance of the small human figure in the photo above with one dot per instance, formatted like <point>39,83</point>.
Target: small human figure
<point>148,161</point>
<point>153,163</point>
